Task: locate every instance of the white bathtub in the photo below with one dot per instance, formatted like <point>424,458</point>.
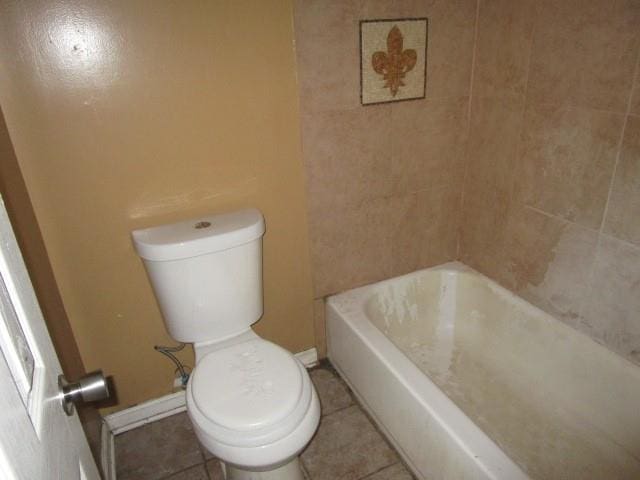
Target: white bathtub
<point>471,382</point>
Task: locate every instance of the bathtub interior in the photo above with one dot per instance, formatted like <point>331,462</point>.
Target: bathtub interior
<point>560,405</point>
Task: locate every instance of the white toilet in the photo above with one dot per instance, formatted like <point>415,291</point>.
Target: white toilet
<point>251,402</point>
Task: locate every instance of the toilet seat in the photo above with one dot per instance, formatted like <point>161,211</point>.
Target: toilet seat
<point>249,394</point>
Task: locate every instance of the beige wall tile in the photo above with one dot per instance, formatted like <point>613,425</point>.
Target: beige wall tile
<point>450,49</point>
<point>364,163</point>
<point>548,260</point>
<point>350,246</point>
<point>493,140</point>
<point>495,126</point>
<point>372,9</point>
<point>505,32</point>
<point>320,327</point>
<point>623,214</point>
<point>536,181</point>
<point>635,100</point>
<point>428,144</point>
<point>558,158</point>
<point>424,228</point>
<point>482,230</point>
<point>613,308</point>
<point>327,52</point>
<point>450,42</point>
<point>584,53</point>
<point>566,160</point>
<point>347,155</point>
<point>491,154</point>
<point>382,238</point>
<point>327,46</point>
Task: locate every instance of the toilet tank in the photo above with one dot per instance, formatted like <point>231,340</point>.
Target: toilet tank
<point>206,273</point>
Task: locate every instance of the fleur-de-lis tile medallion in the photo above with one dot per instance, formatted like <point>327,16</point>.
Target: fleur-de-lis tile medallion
<point>393,60</point>
<point>394,64</point>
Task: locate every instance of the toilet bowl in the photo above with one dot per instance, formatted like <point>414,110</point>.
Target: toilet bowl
<point>251,402</point>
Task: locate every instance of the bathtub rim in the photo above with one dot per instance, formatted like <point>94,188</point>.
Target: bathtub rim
<point>476,444</point>
<point>455,267</point>
<point>349,306</point>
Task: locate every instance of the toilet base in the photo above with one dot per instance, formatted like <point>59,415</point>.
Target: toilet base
<point>288,471</point>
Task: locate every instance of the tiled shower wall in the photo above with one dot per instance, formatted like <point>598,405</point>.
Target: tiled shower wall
<point>384,181</point>
<point>551,204</point>
<point>527,103</point>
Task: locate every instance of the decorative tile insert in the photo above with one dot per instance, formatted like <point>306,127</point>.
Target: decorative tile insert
<point>393,60</point>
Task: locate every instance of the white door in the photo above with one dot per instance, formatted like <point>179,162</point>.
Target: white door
<point>38,441</point>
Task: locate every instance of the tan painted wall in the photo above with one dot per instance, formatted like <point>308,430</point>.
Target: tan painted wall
<point>128,114</point>
<point>18,204</point>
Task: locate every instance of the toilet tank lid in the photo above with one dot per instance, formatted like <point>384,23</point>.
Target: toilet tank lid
<point>198,236</point>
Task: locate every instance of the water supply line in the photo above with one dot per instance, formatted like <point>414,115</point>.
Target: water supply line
<point>169,352</point>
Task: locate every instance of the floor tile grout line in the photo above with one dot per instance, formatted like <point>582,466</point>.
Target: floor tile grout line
<point>338,410</point>
<point>369,475</point>
<point>168,477</point>
<point>356,403</point>
<point>361,407</point>
<point>327,366</point>
<point>202,461</point>
<point>305,470</point>
<point>201,450</point>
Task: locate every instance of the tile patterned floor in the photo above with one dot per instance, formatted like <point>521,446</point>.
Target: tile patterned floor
<point>346,447</point>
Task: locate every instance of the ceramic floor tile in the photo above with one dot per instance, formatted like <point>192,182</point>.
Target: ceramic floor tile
<point>332,391</point>
<point>157,450</point>
<point>206,453</point>
<point>394,472</point>
<point>346,447</point>
<point>304,472</point>
<point>193,473</point>
<point>214,469</point>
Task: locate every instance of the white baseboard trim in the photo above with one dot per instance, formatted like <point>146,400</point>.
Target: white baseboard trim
<point>107,452</point>
<point>309,358</point>
<point>151,411</point>
<point>168,405</point>
<point>146,412</point>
